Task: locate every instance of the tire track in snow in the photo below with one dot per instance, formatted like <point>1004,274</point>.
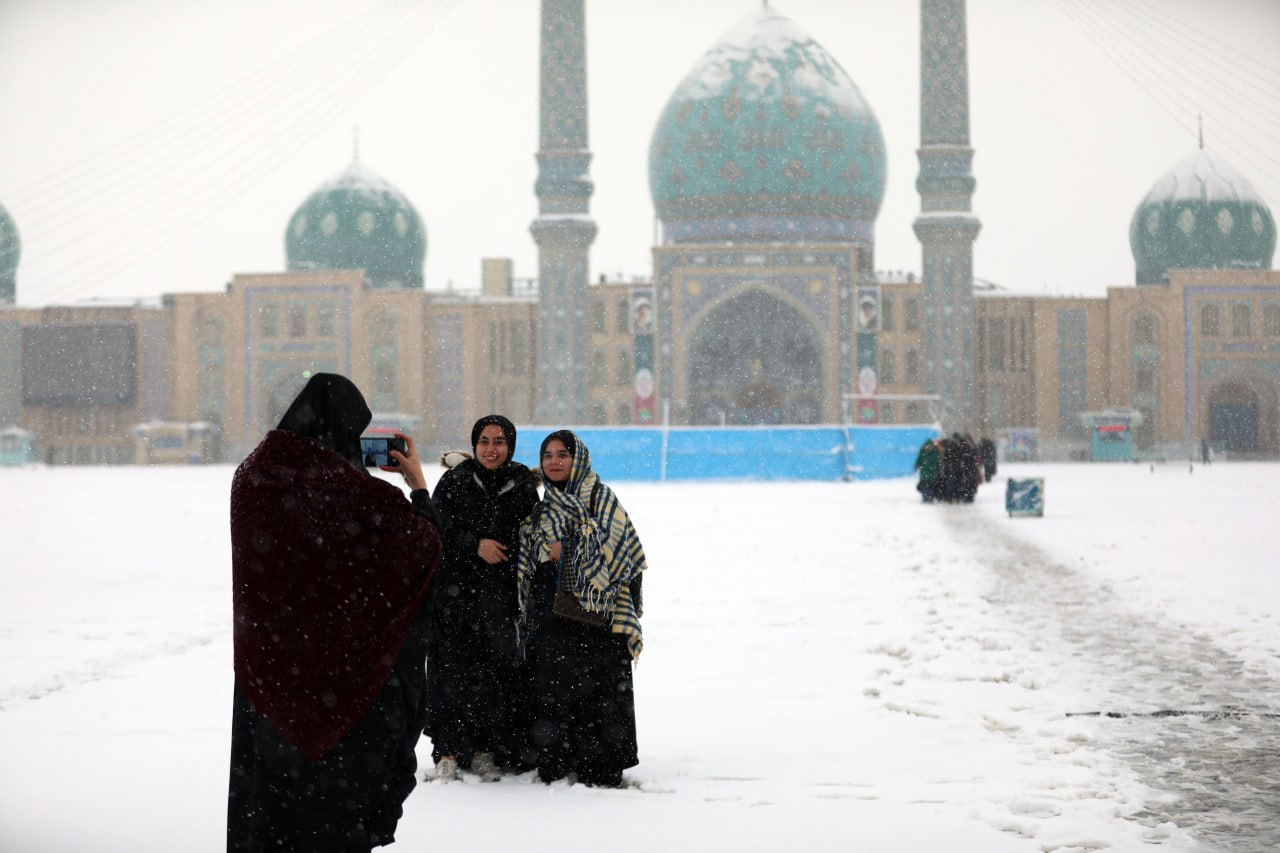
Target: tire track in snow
<point>1222,767</point>
<point>99,670</point>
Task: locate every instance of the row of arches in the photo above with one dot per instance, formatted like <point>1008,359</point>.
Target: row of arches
<point>1240,412</point>
<point>211,380</point>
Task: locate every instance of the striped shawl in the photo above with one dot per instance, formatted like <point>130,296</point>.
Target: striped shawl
<point>603,571</point>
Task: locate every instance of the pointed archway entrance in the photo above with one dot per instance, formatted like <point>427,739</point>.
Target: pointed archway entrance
<point>1243,418</point>
<point>755,359</point>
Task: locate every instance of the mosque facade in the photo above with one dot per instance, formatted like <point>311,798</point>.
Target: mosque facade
<point>767,170</point>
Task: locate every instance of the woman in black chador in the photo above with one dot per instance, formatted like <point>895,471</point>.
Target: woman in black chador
<point>478,706</point>
<point>330,567</point>
<point>580,571</point>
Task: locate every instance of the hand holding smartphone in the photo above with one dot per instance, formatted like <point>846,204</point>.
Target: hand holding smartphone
<point>376,450</point>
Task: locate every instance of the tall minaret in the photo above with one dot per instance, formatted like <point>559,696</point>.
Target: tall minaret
<point>946,226</point>
<point>564,228</point>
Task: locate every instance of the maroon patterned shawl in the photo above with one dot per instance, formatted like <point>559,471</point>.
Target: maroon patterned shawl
<point>329,567</point>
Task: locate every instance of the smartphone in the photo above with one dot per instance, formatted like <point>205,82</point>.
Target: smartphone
<point>376,449</point>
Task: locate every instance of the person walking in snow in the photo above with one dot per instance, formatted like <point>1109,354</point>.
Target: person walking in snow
<point>929,464</point>
<point>951,474</point>
<point>580,569</point>
<point>330,568</point>
<point>478,703</point>
<point>972,468</point>
<point>987,450</point>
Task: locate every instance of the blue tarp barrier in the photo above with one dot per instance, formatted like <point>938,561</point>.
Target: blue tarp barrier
<point>743,453</point>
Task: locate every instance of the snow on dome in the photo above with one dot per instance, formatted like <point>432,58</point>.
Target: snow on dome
<point>357,220</point>
<point>767,138</point>
<point>1201,214</point>
<point>1203,177</point>
<point>358,178</point>
<point>765,33</point>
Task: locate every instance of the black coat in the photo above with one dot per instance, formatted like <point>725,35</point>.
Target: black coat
<point>477,696</point>
<point>351,799</point>
<point>467,590</point>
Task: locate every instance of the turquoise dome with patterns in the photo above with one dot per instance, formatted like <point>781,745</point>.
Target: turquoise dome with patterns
<point>1201,214</point>
<point>10,254</point>
<point>767,138</point>
<point>359,221</point>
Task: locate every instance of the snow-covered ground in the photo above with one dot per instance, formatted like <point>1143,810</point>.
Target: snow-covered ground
<point>828,667</point>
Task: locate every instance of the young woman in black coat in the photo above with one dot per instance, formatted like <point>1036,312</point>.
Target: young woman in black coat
<point>478,706</point>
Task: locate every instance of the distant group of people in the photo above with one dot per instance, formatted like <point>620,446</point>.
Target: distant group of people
<point>950,469</point>
<point>500,623</point>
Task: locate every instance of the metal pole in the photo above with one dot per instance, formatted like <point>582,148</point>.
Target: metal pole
<point>666,429</point>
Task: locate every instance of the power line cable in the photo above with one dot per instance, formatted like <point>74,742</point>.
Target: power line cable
<point>1199,35</point>
<point>116,171</point>
<point>145,241</point>
<point>1099,39</point>
<point>1139,31</point>
<point>275,148</point>
<point>1154,85</point>
<point>1233,142</point>
<point>194,117</point>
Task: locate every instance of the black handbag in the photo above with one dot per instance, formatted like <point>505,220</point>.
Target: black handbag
<point>566,604</point>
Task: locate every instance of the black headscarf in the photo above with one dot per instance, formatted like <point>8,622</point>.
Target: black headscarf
<point>570,442</point>
<point>507,427</point>
<point>330,409</point>
<point>315,542</point>
<point>494,479</point>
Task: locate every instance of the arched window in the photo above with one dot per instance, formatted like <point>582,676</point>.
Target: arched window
<point>211,374</point>
<point>913,367</point>
<point>1271,320</point>
<point>208,328</point>
<point>624,314</point>
<point>1144,377</point>
<point>599,368</point>
<point>1242,320</point>
<point>624,376</point>
<point>1144,330</point>
<point>384,334</point>
<point>886,366</point>
<point>911,316</point>
<point>1210,320</point>
<point>597,315</point>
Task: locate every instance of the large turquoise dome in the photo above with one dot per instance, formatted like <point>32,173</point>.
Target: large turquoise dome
<point>359,221</point>
<point>10,254</point>
<point>1202,214</point>
<point>767,138</point>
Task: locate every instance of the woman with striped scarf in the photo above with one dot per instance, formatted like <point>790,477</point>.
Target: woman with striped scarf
<point>579,541</point>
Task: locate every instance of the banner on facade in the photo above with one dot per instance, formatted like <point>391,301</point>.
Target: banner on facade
<point>643,409</point>
<point>867,314</point>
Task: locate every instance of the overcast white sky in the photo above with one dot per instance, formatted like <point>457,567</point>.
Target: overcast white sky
<point>154,146</point>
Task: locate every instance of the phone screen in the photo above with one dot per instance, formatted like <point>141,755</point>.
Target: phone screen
<point>376,449</point>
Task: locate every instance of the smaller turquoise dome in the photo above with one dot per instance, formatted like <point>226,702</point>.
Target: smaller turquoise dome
<point>10,254</point>
<point>1202,214</point>
<point>359,221</point>
<point>767,138</point>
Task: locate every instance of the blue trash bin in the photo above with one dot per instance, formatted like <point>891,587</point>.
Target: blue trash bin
<point>1024,497</point>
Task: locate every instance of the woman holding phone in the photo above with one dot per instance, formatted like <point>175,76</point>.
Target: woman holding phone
<point>329,690</point>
